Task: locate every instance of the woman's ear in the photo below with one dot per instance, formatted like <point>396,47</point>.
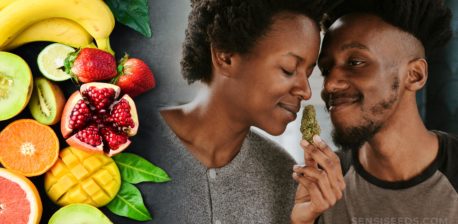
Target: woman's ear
<point>221,62</point>
<point>417,74</point>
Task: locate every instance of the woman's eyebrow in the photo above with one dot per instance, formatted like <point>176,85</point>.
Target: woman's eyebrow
<point>291,54</point>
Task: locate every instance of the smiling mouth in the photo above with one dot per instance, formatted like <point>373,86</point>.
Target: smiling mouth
<point>293,109</point>
<point>341,102</point>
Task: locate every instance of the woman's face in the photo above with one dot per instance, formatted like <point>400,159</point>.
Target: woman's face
<point>269,82</point>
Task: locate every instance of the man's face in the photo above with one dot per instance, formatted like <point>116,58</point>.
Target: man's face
<point>362,65</point>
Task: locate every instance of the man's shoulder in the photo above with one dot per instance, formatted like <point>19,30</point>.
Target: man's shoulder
<point>448,161</point>
<point>449,144</point>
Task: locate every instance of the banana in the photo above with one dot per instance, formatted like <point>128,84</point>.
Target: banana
<point>4,3</point>
<point>54,30</point>
<point>93,15</point>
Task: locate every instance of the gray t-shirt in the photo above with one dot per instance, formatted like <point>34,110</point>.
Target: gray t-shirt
<point>255,187</point>
<point>430,198</point>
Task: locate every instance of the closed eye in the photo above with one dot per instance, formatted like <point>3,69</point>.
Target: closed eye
<point>286,72</point>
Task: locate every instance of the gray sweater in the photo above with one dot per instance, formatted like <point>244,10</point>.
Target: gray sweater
<point>255,187</point>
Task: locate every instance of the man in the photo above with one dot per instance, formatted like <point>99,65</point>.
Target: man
<point>374,60</point>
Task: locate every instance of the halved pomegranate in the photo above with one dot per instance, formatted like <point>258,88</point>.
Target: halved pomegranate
<point>94,119</point>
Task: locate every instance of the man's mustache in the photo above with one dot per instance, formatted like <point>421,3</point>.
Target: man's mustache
<point>329,98</point>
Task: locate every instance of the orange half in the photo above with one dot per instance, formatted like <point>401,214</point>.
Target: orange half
<point>28,147</point>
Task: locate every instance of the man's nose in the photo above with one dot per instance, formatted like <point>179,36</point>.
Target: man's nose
<point>335,81</point>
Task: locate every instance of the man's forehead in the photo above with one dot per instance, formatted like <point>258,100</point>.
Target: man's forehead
<point>358,21</point>
<point>364,29</point>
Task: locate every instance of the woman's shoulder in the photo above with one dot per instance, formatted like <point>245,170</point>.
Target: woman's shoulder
<point>266,149</point>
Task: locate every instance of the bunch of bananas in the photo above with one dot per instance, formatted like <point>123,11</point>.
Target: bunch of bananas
<point>75,23</point>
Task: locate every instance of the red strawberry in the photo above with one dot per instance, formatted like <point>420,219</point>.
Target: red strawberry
<point>90,65</point>
<point>135,78</point>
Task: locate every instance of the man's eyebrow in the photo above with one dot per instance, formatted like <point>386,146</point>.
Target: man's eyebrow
<point>353,45</point>
<point>344,47</point>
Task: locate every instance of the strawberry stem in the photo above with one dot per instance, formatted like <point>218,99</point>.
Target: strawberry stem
<point>68,64</point>
<point>120,69</point>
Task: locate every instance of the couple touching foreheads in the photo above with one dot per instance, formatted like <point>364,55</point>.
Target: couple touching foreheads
<point>255,58</point>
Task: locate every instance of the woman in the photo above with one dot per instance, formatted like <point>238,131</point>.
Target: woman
<point>255,58</point>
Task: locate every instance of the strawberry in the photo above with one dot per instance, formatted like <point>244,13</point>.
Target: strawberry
<point>91,64</point>
<point>135,76</point>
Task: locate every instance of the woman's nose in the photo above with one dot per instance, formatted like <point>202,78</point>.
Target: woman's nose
<point>302,87</point>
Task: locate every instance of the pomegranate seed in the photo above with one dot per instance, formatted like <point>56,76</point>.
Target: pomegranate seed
<point>113,138</point>
<point>90,135</point>
<point>100,98</point>
<point>80,115</point>
<point>120,115</point>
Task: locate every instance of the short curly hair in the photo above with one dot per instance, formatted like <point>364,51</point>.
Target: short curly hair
<point>233,26</point>
<point>427,20</point>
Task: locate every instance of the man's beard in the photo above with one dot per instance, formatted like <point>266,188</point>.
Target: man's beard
<point>352,138</point>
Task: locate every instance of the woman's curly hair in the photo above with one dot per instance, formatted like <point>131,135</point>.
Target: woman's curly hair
<point>232,26</point>
<point>427,20</point>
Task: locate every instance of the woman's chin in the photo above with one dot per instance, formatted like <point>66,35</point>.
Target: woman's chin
<point>275,129</point>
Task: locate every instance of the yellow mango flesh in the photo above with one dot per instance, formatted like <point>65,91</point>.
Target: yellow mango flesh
<point>82,177</point>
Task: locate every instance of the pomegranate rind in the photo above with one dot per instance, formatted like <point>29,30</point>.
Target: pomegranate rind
<point>31,192</point>
<point>76,143</point>
<point>121,148</point>
<point>64,124</point>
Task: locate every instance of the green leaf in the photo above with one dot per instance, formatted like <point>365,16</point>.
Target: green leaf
<point>132,13</point>
<point>129,203</point>
<point>135,169</point>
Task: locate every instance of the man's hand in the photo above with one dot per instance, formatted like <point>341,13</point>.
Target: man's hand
<point>321,182</point>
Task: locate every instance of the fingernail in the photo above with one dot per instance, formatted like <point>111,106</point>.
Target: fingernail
<point>294,175</point>
<point>317,139</point>
<point>296,167</point>
<point>305,143</point>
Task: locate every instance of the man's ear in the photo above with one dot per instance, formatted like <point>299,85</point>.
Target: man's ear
<point>221,61</point>
<point>417,74</point>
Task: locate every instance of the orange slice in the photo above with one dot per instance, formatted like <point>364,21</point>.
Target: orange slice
<point>28,147</point>
<point>19,199</point>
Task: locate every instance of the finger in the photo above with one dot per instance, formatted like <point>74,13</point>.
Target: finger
<point>330,165</point>
<point>320,177</point>
<point>302,194</point>
<point>330,154</point>
<point>316,198</point>
<point>307,158</point>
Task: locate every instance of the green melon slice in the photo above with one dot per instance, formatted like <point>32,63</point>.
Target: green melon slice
<point>79,214</point>
<point>15,85</point>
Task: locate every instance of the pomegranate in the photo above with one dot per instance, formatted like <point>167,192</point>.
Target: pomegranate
<point>96,120</point>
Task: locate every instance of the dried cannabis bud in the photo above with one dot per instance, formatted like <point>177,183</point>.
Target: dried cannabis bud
<point>309,124</point>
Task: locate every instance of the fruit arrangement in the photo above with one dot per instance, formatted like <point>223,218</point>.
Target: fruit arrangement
<point>84,165</point>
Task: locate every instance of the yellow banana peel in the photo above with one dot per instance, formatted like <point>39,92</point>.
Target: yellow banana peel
<point>58,30</point>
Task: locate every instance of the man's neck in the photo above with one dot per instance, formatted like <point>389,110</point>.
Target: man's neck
<point>399,151</point>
